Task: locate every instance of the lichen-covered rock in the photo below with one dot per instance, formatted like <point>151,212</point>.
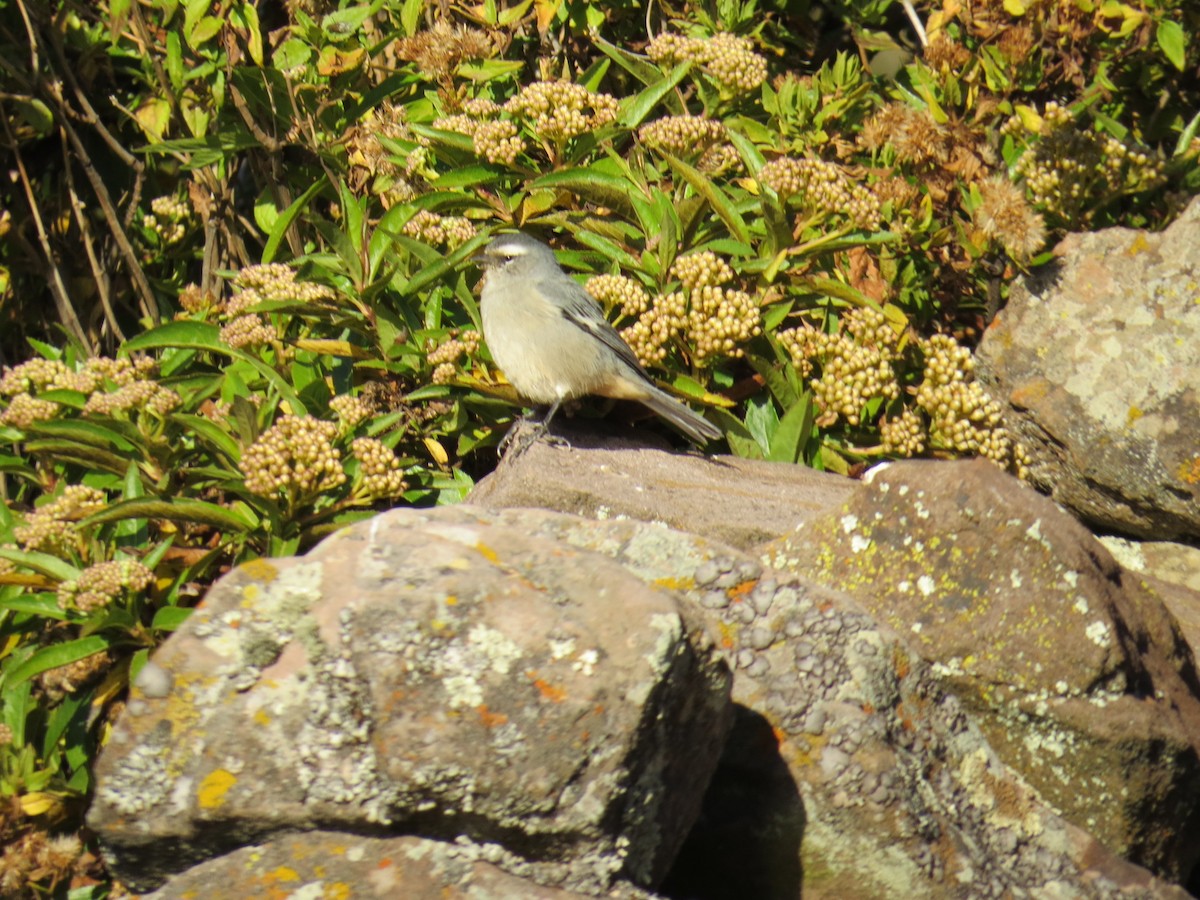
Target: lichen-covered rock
<point>1075,672</point>
<point>851,770</point>
<point>440,673</point>
<point>1098,360</point>
<point>320,864</point>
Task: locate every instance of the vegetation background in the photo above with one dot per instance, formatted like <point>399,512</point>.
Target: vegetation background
<point>238,311</point>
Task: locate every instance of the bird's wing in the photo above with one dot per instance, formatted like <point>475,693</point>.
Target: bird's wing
<point>581,309</point>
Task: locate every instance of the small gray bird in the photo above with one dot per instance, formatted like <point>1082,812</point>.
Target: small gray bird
<point>550,337</point>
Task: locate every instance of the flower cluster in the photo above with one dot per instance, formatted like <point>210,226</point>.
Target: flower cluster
<point>903,435</point>
<point>962,417</point>
<point>36,859</point>
<point>912,132</point>
<point>1068,168</point>
<point>437,230</point>
<point>169,218</point>
<point>439,51</point>
<point>49,527</point>
<point>99,585</point>
<point>444,357</point>
<point>247,331</point>
<point>1006,217</point>
<point>825,188</point>
<point>134,389</point>
<point>728,59</point>
<point>617,290</point>
<point>294,458</point>
<point>272,282</point>
<point>142,395</point>
<point>717,320</point>
<point>379,468</point>
<point>496,140</point>
<point>371,161</point>
<point>856,364</point>
<point>683,135</point>
<point>559,110</point>
<point>68,679</point>
<point>350,410</point>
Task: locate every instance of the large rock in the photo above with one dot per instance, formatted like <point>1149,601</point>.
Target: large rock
<point>1098,360</point>
<point>742,502</point>
<point>852,771</point>
<point>1074,671</point>
<point>441,674</point>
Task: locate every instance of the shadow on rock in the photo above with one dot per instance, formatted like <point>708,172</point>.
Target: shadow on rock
<point>746,842</point>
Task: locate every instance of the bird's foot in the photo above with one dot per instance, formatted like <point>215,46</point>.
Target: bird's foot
<point>524,434</point>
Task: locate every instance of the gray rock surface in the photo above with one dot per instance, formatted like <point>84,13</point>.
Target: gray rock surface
<point>436,673</point>
<point>1098,362</point>
<point>1076,673</point>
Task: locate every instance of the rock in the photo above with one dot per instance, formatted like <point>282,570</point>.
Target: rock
<point>446,674</point>
<point>334,864</point>
<point>736,501</point>
<point>1075,673</point>
<point>1098,360</point>
<point>1172,571</point>
<point>851,770</point>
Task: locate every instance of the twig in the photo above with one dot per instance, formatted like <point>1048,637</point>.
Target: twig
<point>57,286</point>
<point>98,273</point>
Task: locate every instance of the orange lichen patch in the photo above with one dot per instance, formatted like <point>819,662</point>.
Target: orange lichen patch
<point>260,570</point>
<point>487,553</point>
<point>739,591</point>
<point>262,718</point>
<point>450,600</point>
<point>780,735</point>
<point>214,787</point>
<point>725,635</point>
<point>488,718</point>
<point>283,873</point>
<point>386,863</point>
<point>546,689</point>
<point>338,890</point>
<point>1139,245</point>
<point>1189,472</point>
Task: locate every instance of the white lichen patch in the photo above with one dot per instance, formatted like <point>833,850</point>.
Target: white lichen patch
<point>858,543</point>
<point>669,628</point>
<point>495,647</point>
<point>1099,634</point>
<point>462,690</point>
<point>925,585</point>
<point>586,663</point>
<point>314,890</point>
<point>561,648</point>
<point>1071,578</point>
<point>1014,578</point>
<point>849,523</point>
<point>1080,606</point>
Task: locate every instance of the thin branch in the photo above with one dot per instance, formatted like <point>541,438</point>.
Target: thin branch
<point>58,288</point>
<point>98,273</point>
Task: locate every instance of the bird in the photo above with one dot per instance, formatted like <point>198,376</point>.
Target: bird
<point>550,337</point>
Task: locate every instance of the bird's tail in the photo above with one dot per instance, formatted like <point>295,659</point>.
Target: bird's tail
<point>697,428</point>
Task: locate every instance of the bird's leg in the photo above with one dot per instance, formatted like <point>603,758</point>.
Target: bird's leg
<point>527,430</point>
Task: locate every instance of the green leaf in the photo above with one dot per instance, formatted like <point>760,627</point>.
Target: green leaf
<point>42,563</point>
<point>793,431</point>
<point>284,220</point>
<point>53,657</point>
<point>590,184</point>
<point>175,510</point>
<point>84,432</point>
<point>344,22</point>
<point>44,605</point>
<point>636,108</point>
<point>211,432</point>
<point>716,198</point>
<point>169,618</point>
<point>203,336</point>
<point>639,67</point>
<point>1173,42</point>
